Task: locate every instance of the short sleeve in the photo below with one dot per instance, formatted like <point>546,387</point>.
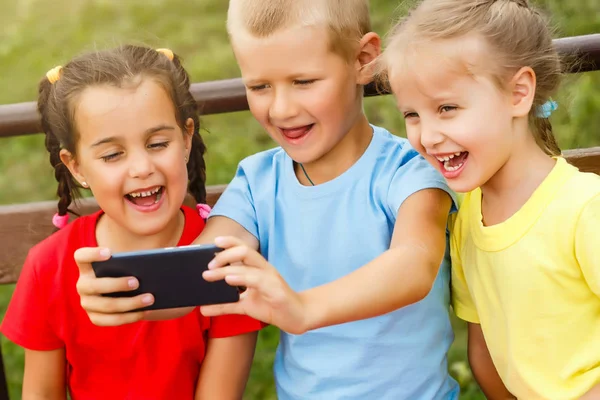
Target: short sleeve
<point>415,175</point>
<point>236,203</point>
<point>233,325</point>
<point>462,302</point>
<point>26,321</point>
<point>586,243</point>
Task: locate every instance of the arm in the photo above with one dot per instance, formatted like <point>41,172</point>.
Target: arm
<point>586,244</point>
<point>588,256</point>
<point>593,394</point>
<point>110,311</point>
<point>482,366</point>
<point>402,275</point>
<point>44,377</point>
<point>229,357</point>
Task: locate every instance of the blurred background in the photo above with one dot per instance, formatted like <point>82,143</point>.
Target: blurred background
<point>36,35</point>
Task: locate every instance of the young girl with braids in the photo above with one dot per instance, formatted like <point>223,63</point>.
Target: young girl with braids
<point>474,80</point>
<point>122,123</point>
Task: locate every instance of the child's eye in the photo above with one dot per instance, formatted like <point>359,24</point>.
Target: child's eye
<point>257,88</point>
<point>304,82</point>
<point>445,109</point>
<point>110,157</point>
<point>158,145</point>
<point>408,115</point>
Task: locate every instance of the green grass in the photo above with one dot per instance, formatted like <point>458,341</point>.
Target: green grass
<point>37,35</point>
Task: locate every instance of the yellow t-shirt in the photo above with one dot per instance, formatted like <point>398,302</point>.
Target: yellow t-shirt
<point>533,283</point>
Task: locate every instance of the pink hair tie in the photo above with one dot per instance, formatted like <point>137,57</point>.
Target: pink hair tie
<point>60,221</point>
<point>203,210</point>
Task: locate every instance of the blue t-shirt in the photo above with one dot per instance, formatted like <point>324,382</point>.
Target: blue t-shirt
<point>316,234</point>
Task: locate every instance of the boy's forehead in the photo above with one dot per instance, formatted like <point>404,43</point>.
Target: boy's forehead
<point>294,50</point>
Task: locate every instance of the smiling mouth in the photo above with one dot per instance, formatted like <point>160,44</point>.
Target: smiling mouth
<point>453,162</point>
<point>296,133</point>
<point>145,198</point>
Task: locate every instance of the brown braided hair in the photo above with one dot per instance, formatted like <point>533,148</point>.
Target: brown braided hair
<point>115,67</point>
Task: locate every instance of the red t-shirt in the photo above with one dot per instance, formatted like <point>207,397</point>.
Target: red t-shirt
<point>143,360</point>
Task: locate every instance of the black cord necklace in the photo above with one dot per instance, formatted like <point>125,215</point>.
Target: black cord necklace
<point>306,175</point>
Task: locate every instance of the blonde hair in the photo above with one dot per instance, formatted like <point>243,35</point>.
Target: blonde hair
<point>516,33</point>
<point>347,21</point>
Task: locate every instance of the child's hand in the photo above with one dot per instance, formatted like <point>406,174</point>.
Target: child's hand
<point>107,311</point>
<point>267,296</point>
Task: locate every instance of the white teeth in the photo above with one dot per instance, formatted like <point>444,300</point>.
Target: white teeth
<point>145,194</point>
<point>448,157</point>
<point>450,168</point>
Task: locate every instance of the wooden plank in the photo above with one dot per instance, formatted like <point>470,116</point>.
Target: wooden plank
<point>229,95</point>
<point>24,225</point>
<point>587,160</point>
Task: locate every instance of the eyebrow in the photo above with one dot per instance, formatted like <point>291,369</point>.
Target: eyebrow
<point>148,132</point>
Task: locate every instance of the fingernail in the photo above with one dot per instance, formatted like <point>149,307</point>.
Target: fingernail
<point>211,264</point>
<point>105,252</point>
<point>219,239</point>
<point>132,283</point>
<point>147,299</point>
<point>207,274</point>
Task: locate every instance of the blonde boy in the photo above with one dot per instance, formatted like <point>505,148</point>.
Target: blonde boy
<point>350,218</point>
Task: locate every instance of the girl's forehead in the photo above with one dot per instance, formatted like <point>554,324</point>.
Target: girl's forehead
<point>437,66</point>
<point>108,110</point>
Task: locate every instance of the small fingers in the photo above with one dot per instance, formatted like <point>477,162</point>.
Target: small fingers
<point>216,310</point>
<point>86,255</point>
<point>241,254</point>
<point>226,242</point>
<point>101,319</point>
<point>89,285</point>
<point>115,305</point>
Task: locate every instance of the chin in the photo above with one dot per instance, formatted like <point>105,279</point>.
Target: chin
<point>148,228</point>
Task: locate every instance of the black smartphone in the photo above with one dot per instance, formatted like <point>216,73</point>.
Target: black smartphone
<point>173,275</point>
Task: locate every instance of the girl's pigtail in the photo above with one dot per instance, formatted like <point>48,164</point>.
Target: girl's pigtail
<point>67,188</point>
<point>196,165</point>
<point>197,169</point>
<point>546,137</point>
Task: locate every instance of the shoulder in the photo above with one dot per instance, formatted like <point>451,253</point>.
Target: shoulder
<point>49,254</point>
<point>459,221</point>
<point>194,225</point>
<point>578,190</point>
<point>403,169</point>
<point>392,146</point>
<point>263,161</point>
<point>395,154</point>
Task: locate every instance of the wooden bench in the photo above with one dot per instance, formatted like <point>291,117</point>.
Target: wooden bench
<point>23,225</point>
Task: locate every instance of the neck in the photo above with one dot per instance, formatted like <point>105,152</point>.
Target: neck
<point>510,188</point>
<point>111,234</point>
<point>339,159</point>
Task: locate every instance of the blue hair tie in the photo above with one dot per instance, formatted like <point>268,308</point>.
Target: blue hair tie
<point>546,109</point>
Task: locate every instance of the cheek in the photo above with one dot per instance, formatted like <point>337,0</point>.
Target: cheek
<point>414,137</point>
<point>258,107</point>
<point>330,100</point>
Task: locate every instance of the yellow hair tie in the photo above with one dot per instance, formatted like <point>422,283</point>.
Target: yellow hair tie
<point>167,52</point>
<point>54,74</point>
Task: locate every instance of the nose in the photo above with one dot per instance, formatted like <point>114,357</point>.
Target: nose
<point>141,165</point>
<point>283,107</point>
<point>431,135</point>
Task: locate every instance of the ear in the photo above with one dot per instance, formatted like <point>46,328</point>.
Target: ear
<point>522,89</point>
<point>71,163</point>
<point>369,50</point>
<point>188,134</point>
